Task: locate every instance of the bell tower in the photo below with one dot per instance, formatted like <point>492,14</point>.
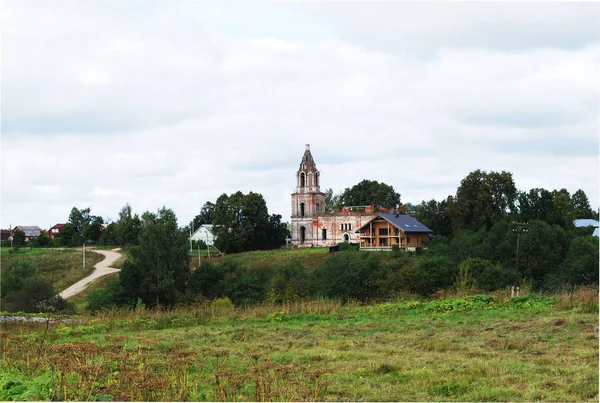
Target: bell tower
<point>308,202</point>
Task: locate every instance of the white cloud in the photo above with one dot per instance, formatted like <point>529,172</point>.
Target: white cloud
<point>176,103</point>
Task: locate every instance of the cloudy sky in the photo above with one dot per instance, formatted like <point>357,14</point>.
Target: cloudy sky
<point>173,103</point>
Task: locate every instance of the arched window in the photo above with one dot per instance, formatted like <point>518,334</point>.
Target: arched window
<point>302,179</point>
<point>317,179</point>
<point>346,238</point>
<point>302,234</point>
<point>318,208</point>
<point>301,209</point>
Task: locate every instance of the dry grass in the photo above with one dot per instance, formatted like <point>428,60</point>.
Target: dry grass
<point>310,351</point>
<point>583,297</point>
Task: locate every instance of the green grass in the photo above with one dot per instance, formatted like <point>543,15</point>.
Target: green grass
<point>63,267</point>
<point>315,350</point>
<point>311,257</point>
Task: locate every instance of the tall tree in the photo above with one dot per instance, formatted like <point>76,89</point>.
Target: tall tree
<point>332,201</point>
<point>128,227</point>
<point>159,267</point>
<point>581,205</point>
<point>205,216</point>
<point>483,199</point>
<point>537,204</point>
<point>242,223</point>
<point>370,193</point>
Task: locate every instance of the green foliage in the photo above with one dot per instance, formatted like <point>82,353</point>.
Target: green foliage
<point>242,223</point>
<point>581,263</point>
<point>370,193</point>
<point>205,216</point>
<point>36,295</point>
<point>351,275</point>
<point>14,386</point>
<point>15,274</point>
<point>531,301</point>
<point>18,239</point>
<point>41,241</point>
<point>221,306</point>
<point>159,268</point>
<point>290,281</point>
<point>483,199</point>
<point>434,272</point>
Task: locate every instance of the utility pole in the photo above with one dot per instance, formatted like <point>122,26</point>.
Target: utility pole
<point>198,246</point>
<point>83,253</point>
<point>520,228</point>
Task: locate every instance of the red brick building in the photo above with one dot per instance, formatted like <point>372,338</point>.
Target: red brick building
<point>312,227</point>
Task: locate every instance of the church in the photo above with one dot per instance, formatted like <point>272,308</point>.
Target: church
<point>372,230</point>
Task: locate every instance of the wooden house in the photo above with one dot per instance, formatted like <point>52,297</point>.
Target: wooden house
<point>386,230</point>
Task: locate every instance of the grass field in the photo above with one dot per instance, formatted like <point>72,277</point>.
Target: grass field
<point>63,267</point>
<point>473,349</point>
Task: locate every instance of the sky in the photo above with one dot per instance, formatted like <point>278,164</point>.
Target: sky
<point>173,103</point>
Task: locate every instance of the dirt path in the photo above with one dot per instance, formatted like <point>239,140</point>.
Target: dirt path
<point>102,268</point>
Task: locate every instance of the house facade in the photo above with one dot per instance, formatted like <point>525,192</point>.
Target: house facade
<point>55,230</point>
<point>388,230</point>
<point>31,231</point>
<point>310,226</point>
<point>205,234</point>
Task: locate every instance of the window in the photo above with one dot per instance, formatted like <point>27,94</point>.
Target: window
<point>302,179</point>
<point>350,226</point>
<point>341,227</point>
<point>302,234</point>
<point>383,231</point>
<point>407,240</point>
<point>318,208</point>
<point>324,233</point>
<point>55,230</point>
<point>301,209</point>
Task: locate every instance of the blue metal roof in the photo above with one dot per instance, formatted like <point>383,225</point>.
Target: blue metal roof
<point>405,222</point>
<point>596,233</point>
<point>586,222</point>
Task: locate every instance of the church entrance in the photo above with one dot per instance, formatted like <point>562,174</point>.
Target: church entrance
<point>346,238</point>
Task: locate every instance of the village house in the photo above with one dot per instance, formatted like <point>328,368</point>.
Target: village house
<point>31,231</point>
<point>204,234</point>
<point>55,230</point>
<point>311,226</point>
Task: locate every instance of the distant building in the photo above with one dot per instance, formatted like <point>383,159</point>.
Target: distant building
<point>311,226</point>
<point>55,230</point>
<point>31,231</point>
<point>204,234</point>
<point>4,234</point>
<point>588,222</point>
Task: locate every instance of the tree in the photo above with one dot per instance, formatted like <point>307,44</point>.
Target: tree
<point>433,215</point>
<point>370,193</point>
<point>242,223</point>
<point>128,227</point>
<point>18,239</point>
<point>483,199</point>
<point>159,267</point>
<point>537,204</point>
<point>581,205</point>
<point>563,211</point>
<point>332,202</point>
<point>581,263</point>
<point>205,216</point>
<point>13,276</point>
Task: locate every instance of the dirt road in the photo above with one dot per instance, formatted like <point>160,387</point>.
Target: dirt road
<point>102,268</point>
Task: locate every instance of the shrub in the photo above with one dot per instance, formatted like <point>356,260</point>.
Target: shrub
<point>433,273</point>
<point>221,307</point>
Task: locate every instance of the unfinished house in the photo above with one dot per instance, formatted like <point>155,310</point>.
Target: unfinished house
<point>386,230</point>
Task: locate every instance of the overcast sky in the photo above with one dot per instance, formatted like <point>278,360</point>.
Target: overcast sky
<point>173,103</point>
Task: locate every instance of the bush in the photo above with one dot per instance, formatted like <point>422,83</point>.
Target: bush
<point>221,307</point>
<point>36,295</point>
<point>351,275</point>
<point>15,274</point>
<point>289,282</point>
<point>434,273</point>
